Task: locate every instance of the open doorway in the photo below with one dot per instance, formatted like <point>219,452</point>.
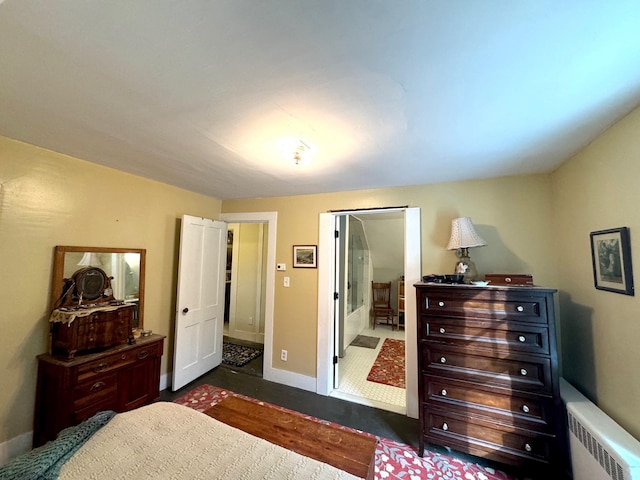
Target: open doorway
<point>328,314</point>
<point>251,267</point>
<point>244,321</point>
<point>370,367</point>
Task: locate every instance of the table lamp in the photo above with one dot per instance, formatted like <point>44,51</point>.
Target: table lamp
<point>463,237</point>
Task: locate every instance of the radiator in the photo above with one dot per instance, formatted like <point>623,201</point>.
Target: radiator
<point>600,448</point>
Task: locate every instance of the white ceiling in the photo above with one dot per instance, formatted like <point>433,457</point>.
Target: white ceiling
<point>198,93</point>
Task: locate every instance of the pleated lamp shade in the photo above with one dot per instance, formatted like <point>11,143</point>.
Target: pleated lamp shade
<point>464,235</point>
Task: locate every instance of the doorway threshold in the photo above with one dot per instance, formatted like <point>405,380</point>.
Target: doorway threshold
<point>369,402</point>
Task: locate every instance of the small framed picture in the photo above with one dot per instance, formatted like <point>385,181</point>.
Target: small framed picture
<point>611,258</point>
<point>305,256</point>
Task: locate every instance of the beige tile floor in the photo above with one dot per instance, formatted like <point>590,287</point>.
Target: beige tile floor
<point>354,368</point>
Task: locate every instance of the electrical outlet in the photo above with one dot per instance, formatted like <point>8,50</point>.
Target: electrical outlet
<point>283,355</point>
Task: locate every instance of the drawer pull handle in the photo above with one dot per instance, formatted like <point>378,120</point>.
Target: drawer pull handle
<point>442,330</point>
<point>143,354</point>
<point>97,386</point>
<point>525,408</point>
<point>522,338</point>
<point>443,392</point>
<point>520,308</point>
<point>507,279</point>
<point>523,372</point>
<point>443,360</point>
<point>441,304</point>
<point>91,339</point>
<point>445,426</point>
<point>100,367</point>
<point>528,447</point>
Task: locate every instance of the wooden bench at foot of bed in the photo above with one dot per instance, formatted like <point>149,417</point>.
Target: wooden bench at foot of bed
<point>348,451</point>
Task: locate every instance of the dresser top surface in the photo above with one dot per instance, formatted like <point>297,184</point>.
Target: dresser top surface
<point>88,357</point>
<point>506,288</point>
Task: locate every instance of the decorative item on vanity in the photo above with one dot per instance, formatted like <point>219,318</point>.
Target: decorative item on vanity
<point>86,315</point>
<point>463,237</point>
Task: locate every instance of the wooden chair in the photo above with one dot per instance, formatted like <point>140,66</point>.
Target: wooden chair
<point>381,304</point>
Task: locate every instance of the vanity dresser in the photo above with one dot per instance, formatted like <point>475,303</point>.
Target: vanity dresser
<point>488,373</point>
<point>95,362</point>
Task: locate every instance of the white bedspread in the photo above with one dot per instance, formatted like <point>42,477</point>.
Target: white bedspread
<point>170,441</point>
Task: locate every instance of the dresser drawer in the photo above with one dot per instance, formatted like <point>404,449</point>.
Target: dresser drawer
<point>108,403</point>
<point>95,391</point>
<point>519,372</point>
<point>488,334</point>
<point>534,412</point>
<point>90,370</point>
<point>100,331</point>
<point>484,304</point>
<point>476,436</point>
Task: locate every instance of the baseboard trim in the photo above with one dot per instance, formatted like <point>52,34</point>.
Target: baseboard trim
<point>15,446</point>
<point>291,379</point>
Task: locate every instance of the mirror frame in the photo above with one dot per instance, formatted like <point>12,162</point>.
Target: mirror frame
<point>57,278</point>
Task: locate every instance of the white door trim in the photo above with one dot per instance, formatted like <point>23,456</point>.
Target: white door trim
<point>271,219</point>
<point>326,325</point>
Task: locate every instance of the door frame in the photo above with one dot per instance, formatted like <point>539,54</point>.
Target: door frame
<point>271,219</point>
<point>326,309</point>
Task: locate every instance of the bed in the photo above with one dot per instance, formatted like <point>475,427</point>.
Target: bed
<point>164,441</point>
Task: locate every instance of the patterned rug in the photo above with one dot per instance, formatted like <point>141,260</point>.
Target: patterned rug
<point>388,367</point>
<point>393,460</point>
<point>365,341</point>
<point>238,355</point>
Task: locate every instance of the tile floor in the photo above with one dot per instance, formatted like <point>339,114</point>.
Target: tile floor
<point>354,368</point>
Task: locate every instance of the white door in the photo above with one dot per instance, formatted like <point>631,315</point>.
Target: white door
<point>200,299</point>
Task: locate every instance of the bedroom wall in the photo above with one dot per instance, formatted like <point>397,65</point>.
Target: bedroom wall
<point>513,214</point>
<point>48,199</point>
<point>596,190</point>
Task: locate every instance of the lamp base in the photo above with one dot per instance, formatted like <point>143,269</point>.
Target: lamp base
<point>466,266</point>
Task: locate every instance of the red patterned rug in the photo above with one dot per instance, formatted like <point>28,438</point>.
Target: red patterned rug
<point>389,365</point>
<point>393,460</point>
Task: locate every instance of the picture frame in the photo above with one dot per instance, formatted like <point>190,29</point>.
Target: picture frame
<point>305,256</point>
<point>611,260</point>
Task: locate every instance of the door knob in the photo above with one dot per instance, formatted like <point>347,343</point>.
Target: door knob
<point>185,310</point>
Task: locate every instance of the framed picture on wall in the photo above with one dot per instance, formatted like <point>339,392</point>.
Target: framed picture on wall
<point>611,258</point>
<point>305,256</point>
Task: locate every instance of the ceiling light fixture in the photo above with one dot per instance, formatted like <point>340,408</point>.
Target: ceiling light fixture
<point>296,150</point>
<point>301,152</point>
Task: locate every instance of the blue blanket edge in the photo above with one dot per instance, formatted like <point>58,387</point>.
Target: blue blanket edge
<point>45,462</point>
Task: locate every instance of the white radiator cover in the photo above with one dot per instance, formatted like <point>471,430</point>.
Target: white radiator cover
<point>600,448</point>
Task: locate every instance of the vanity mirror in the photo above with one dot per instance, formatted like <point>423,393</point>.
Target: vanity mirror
<point>92,274</point>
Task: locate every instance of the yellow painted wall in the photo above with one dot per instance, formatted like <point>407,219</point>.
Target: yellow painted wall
<point>513,214</point>
<point>596,190</point>
<point>48,199</point>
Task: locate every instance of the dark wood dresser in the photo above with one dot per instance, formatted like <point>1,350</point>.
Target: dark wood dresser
<point>488,381</point>
<point>119,378</point>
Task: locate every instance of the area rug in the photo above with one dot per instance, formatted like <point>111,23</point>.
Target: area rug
<point>393,460</point>
<point>365,341</point>
<point>388,368</point>
<point>238,355</point>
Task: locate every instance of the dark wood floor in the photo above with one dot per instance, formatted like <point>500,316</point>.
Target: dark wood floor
<point>379,422</point>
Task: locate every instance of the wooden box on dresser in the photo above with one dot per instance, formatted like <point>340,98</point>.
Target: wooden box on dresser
<point>488,381</point>
<point>120,378</point>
